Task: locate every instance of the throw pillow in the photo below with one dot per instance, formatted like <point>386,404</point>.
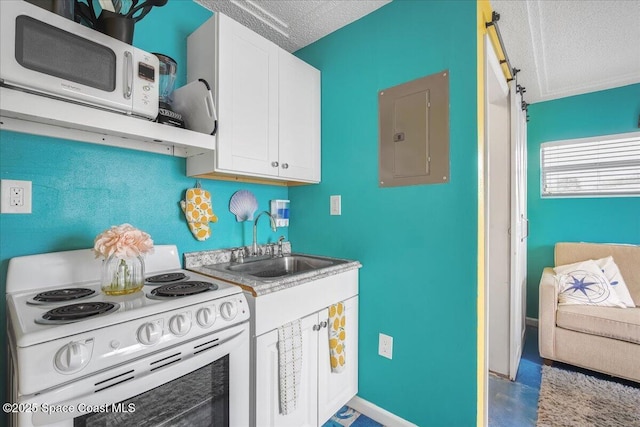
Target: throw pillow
<point>613,275</point>
<point>584,283</point>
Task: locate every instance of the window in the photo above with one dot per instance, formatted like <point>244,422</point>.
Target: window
<point>603,166</point>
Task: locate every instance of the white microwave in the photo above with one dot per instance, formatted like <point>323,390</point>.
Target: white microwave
<point>49,55</point>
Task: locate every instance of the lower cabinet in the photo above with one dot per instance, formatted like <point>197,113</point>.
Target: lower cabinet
<point>321,392</point>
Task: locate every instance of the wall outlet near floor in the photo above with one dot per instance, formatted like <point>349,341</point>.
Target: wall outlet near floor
<point>385,346</point>
<point>15,196</point>
<point>335,205</point>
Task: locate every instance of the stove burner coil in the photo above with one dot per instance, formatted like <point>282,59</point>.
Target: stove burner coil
<point>182,289</point>
<point>61,295</point>
<point>75,312</point>
<point>165,278</point>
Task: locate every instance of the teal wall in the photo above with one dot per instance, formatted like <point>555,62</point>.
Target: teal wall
<point>81,189</point>
<point>551,220</point>
<point>417,244</point>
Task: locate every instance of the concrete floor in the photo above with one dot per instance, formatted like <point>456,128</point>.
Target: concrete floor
<point>515,403</point>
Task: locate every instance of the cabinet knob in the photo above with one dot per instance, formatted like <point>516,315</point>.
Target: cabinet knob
<point>316,327</point>
<point>275,164</point>
<point>323,324</point>
<point>285,166</point>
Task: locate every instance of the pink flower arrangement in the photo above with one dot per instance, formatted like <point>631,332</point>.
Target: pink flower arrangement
<point>122,241</point>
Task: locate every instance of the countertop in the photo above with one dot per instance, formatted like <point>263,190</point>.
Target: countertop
<point>197,261</point>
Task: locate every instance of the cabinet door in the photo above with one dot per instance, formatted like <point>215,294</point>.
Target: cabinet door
<point>267,384</point>
<point>247,100</point>
<point>299,119</point>
<point>336,389</point>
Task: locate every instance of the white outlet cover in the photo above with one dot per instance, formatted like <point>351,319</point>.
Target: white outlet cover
<point>5,196</point>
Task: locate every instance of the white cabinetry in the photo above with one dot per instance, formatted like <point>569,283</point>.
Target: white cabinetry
<point>268,104</point>
<point>267,385</point>
<point>336,389</point>
<point>321,391</point>
<point>299,119</point>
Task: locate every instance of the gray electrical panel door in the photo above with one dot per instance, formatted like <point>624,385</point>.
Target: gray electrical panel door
<point>414,132</point>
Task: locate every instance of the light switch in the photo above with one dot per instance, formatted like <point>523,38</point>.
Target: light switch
<point>336,205</point>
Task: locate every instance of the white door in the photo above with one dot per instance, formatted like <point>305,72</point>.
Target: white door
<point>299,119</point>
<point>335,389</point>
<point>248,100</point>
<point>519,228</point>
<point>506,224</point>
<point>267,384</point>
<point>497,214</point>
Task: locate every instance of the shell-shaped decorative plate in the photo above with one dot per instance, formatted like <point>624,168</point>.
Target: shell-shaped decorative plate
<point>243,205</point>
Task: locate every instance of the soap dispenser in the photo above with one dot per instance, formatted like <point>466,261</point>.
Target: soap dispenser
<point>280,212</point>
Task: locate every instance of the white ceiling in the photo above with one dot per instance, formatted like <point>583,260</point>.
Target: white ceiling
<point>569,47</point>
<point>293,24</point>
<point>562,47</point>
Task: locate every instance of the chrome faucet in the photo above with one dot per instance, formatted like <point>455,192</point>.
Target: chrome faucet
<point>254,247</point>
<point>280,240</point>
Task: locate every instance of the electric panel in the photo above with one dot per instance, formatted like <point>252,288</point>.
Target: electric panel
<point>414,132</point>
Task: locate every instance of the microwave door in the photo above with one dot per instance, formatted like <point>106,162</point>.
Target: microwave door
<point>61,58</point>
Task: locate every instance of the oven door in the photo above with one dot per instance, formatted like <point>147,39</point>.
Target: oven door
<point>203,382</point>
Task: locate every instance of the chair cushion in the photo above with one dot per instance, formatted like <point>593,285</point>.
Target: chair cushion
<point>618,323</point>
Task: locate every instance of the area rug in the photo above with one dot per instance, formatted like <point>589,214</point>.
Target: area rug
<point>349,417</point>
<point>570,399</point>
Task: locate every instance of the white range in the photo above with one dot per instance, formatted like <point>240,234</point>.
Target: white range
<point>175,353</point>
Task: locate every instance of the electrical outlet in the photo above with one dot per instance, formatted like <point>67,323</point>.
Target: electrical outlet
<point>15,196</point>
<point>385,346</point>
<point>335,205</point>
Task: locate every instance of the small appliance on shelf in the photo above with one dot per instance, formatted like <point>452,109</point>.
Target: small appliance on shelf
<point>166,113</point>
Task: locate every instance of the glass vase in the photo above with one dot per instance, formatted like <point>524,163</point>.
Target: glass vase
<point>122,276</point>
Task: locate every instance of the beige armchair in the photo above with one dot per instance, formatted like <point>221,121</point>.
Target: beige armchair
<point>603,339</point>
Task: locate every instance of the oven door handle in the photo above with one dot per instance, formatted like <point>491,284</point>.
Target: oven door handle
<point>145,374</point>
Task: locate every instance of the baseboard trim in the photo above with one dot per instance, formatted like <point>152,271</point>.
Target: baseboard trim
<point>378,414</point>
<point>531,321</point>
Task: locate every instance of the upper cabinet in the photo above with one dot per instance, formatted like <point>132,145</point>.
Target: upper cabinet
<point>268,104</point>
<point>299,119</point>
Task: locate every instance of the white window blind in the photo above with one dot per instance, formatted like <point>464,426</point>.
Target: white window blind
<point>603,166</point>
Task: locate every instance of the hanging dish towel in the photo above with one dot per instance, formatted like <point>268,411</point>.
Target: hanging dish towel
<point>198,212</point>
<point>289,365</point>
<point>337,336</point>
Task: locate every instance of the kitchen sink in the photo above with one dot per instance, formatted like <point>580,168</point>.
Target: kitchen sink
<point>274,268</point>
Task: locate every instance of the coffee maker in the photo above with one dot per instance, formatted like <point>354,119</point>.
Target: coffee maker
<point>168,70</point>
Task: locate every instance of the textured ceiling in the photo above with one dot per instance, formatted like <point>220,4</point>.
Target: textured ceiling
<point>293,24</point>
<point>563,47</point>
<point>566,48</point>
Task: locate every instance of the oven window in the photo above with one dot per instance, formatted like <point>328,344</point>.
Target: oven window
<point>200,398</point>
<point>55,52</point>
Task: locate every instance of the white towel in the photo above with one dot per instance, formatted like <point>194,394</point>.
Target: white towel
<point>289,365</point>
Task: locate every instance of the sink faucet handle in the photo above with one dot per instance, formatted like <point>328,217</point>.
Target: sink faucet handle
<point>280,240</point>
<point>239,254</point>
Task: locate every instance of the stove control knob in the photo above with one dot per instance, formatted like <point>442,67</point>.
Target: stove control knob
<point>149,333</point>
<point>228,310</point>
<point>180,324</point>
<point>72,357</point>
<point>206,316</point>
